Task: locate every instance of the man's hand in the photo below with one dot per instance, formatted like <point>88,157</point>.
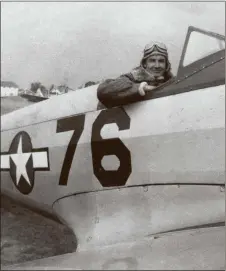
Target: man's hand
<point>144,87</point>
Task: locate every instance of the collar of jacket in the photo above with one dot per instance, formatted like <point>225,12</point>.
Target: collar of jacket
<point>139,75</point>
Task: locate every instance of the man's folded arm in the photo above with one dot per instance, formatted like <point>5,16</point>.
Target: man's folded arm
<point>120,91</point>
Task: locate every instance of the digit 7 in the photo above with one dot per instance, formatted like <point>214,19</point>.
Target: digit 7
<point>75,123</point>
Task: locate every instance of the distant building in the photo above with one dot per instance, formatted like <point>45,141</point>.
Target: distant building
<point>54,91</point>
<point>39,93</point>
<point>59,90</point>
<point>9,88</point>
<point>63,89</point>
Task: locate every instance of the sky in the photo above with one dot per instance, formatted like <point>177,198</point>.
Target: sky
<point>75,42</point>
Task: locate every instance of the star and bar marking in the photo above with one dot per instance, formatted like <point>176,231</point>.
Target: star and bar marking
<point>22,161</point>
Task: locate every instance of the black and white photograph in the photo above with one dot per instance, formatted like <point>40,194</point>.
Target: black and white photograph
<point>112,135</point>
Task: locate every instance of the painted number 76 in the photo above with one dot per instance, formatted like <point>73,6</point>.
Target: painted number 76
<point>99,146</point>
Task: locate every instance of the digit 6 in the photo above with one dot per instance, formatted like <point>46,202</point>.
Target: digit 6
<point>114,146</point>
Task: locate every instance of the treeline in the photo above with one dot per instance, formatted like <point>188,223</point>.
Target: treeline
<point>63,88</point>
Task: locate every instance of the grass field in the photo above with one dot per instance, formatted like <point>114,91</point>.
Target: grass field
<point>9,104</point>
<point>27,236</point>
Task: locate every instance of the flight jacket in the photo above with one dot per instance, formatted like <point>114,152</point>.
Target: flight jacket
<point>124,89</point>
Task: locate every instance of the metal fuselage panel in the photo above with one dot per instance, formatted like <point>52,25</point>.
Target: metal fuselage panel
<point>174,139</point>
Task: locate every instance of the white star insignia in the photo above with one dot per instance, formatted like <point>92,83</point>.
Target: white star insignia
<point>20,159</point>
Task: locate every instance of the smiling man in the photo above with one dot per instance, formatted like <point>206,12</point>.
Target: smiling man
<point>154,70</point>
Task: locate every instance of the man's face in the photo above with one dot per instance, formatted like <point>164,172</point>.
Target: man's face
<point>156,65</point>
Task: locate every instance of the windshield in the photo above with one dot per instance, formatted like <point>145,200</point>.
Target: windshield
<point>201,45</point>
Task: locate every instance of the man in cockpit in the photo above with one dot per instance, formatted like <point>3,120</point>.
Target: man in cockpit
<point>154,70</point>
